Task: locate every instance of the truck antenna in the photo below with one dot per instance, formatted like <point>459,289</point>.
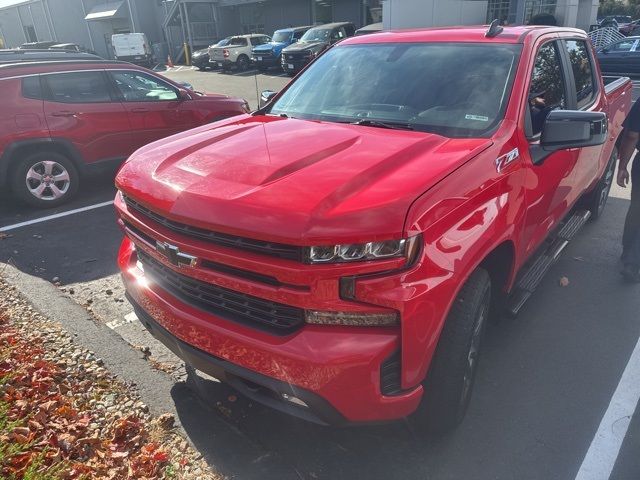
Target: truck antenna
<point>494,30</point>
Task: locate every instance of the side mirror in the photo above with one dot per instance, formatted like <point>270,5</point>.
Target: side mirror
<point>183,94</point>
<point>266,96</point>
<point>604,50</point>
<point>565,129</point>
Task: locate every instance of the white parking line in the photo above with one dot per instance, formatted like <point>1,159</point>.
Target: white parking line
<point>605,447</point>
<point>57,215</point>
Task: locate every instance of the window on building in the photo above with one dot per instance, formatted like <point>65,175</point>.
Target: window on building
<point>501,10</point>
<point>373,12</point>
<point>30,33</point>
<point>140,87</point>
<point>539,8</point>
<point>322,11</point>
<point>78,87</point>
<point>582,71</point>
<point>547,90</point>
<point>252,17</point>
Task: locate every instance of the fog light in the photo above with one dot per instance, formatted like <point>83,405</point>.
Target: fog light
<point>354,319</point>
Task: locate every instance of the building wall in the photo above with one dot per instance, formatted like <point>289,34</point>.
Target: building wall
<point>348,11</point>
<point>426,13</point>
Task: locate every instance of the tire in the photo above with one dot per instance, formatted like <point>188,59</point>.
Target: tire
<point>243,63</point>
<point>596,200</point>
<point>449,383</point>
<point>34,180</point>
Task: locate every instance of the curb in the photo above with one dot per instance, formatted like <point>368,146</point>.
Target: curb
<point>232,455</point>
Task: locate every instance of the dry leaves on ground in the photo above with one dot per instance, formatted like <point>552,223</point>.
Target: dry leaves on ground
<point>64,416</point>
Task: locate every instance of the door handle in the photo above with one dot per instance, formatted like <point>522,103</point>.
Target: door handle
<point>139,110</point>
<point>64,113</point>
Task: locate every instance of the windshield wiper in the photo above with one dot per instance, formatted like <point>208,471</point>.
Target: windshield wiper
<point>378,124</point>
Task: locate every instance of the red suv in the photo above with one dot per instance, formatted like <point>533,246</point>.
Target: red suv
<point>62,120</point>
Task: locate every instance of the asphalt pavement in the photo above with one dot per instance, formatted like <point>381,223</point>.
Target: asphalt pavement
<point>547,384</point>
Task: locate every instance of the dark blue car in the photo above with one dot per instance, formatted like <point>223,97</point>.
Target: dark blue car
<point>268,54</point>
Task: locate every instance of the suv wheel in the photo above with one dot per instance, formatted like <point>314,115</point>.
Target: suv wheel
<point>453,370</point>
<point>45,179</point>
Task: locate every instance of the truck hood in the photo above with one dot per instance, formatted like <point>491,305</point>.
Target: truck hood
<point>292,181</point>
<point>268,47</point>
<point>302,46</point>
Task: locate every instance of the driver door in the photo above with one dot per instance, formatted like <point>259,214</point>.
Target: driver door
<point>550,185</point>
<point>152,105</point>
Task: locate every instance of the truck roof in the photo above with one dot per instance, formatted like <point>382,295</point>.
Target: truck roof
<point>474,34</point>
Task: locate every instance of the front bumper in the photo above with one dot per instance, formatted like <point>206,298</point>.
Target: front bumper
<point>265,61</point>
<point>294,65</point>
<point>334,371</point>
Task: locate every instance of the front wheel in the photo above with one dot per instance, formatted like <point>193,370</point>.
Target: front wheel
<point>45,180</point>
<point>243,63</point>
<point>449,383</point>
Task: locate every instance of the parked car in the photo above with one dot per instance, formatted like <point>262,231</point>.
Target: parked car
<point>372,28</point>
<point>200,59</point>
<point>269,54</point>
<point>237,53</point>
<point>65,119</point>
<point>337,254</point>
<point>632,28</point>
<point>214,65</point>
<point>133,48</point>
<point>295,57</point>
<point>616,21</point>
<point>621,58</point>
<point>18,55</point>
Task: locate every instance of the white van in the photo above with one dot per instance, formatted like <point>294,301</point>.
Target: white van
<point>133,48</point>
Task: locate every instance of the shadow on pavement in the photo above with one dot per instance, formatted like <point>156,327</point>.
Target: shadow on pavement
<point>76,248</point>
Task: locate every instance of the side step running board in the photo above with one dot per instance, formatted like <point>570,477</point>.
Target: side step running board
<point>539,267</point>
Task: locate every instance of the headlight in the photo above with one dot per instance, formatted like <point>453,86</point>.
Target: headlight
<point>406,247</point>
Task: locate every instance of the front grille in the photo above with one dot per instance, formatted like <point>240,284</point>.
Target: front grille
<point>278,250</point>
<point>235,306</point>
<point>390,383</point>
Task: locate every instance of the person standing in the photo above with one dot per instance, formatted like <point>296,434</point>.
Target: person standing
<point>631,236</point>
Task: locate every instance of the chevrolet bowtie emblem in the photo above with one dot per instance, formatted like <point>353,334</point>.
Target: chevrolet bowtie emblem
<point>175,256</point>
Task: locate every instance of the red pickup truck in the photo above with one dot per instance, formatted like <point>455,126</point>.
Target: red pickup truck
<point>337,253</point>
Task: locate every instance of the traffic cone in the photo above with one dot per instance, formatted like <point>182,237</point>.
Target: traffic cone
<point>169,62</point>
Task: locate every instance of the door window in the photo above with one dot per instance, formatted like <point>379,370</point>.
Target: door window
<point>547,90</point>
<point>338,34</point>
<point>140,87</point>
<point>582,72</point>
<point>78,87</point>
<point>298,35</point>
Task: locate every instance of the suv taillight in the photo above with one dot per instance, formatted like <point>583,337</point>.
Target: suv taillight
<point>225,53</point>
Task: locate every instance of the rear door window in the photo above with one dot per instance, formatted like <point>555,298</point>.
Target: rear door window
<point>547,91</point>
<point>78,87</point>
<point>31,88</point>
<point>238,42</point>
<point>582,68</point>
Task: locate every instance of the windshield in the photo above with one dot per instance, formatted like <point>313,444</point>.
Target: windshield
<point>456,90</point>
<point>317,35</point>
<point>280,37</point>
